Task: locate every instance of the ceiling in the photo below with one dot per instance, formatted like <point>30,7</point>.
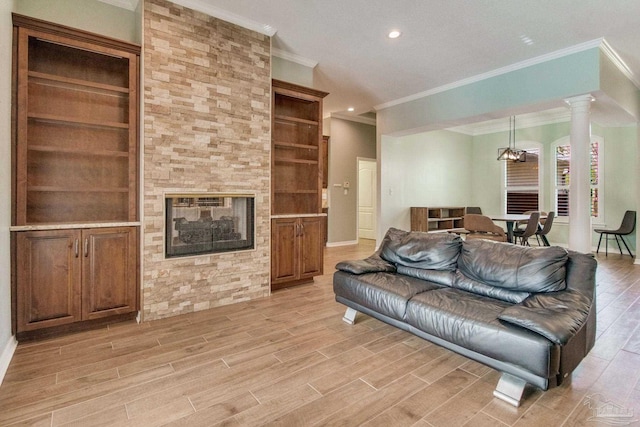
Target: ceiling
<point>442,42</point>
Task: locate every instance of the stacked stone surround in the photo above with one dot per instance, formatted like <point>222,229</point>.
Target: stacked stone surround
<point>206,129</point>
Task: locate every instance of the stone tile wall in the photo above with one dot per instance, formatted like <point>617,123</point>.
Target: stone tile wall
<point>207,128</point>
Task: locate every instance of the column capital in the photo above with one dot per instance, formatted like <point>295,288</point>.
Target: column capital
<point>580,100</point>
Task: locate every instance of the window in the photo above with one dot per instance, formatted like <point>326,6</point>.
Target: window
<point>522,183</point>
<point>563,177</point>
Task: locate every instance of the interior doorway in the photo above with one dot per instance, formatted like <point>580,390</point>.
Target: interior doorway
<point>367,190</point>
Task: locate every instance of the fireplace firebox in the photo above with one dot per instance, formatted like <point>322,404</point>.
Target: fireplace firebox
<point>198,224</point>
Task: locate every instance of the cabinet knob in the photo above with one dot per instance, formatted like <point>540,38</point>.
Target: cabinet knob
<point>75,248</point>
<point>86,247</point>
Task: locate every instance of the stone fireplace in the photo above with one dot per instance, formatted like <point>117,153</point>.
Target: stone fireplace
<point>207,135</point>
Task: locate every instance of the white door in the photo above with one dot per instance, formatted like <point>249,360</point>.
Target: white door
<point>366,199</point>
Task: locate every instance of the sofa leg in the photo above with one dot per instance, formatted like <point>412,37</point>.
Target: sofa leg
<point>350,316</point>
<point>510,389</point>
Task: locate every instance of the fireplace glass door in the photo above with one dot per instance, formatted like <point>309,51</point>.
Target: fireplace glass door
<point>208,223</point>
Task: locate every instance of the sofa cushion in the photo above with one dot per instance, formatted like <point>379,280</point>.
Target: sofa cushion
<point>556,316</point>
<point>435,251</point>
<point>518,268</point>
<point>441,277</point>
<point>385,293</point>
<point>373,264</point>
<point>461,281</point>
<point>471,321</point>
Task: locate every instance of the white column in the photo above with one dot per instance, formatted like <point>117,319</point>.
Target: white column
<point>580,181</point>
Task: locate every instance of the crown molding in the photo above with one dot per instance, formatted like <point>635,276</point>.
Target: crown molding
<point>556,115</point>
<point>497,72</point>
<point>618,62</point>
<point>124,4</point>
<point>359,119</point>
<point>293,58</point>
<point>216,12</point>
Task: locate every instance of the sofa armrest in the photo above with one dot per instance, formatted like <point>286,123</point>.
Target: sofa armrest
<point>373,264</point>
<point>556,316</point>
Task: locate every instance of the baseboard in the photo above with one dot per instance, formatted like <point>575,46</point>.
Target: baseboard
<point>6,356</point>
<point>346,243</point>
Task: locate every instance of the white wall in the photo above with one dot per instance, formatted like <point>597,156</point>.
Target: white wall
<point>7,342</point>
<point>426,169</point>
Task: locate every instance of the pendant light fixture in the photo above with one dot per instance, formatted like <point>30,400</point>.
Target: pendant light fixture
<point>510,153</point>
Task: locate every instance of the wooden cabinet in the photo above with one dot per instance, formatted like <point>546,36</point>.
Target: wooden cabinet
<point>67,276</point>
<point>297,250</point>
<point>437,219</point>
<point>297,171</point>
<point>74,176</point>
<point>48,275</point>
<point>109,272</point>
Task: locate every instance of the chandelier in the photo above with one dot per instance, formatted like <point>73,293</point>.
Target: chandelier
<point>511,153</point>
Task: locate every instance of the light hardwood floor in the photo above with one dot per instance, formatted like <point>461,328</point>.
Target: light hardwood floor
<point>290,360</point>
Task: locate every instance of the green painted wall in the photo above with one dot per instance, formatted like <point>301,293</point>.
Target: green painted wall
<point>447,168</point>
<point>7,343</point>
<point>88,15</point>
<point>537,85</point>
<point>288,71</point>
<point>425,169</point>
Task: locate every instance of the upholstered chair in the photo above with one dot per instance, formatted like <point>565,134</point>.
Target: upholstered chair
<point>482,227</point>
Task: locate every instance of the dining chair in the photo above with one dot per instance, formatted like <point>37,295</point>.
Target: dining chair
<point>482,227</point>
<point>473,210</point>
<point>541,233</point>
<point>523,224</point>
<point>627,227</point>
<point>532,227</point>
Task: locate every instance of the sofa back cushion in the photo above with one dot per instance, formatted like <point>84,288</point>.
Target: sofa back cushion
<point>434,251</point>
<point>517,268</point>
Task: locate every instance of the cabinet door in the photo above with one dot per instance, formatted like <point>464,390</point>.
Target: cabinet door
<point>109,272</point>
<point>284,249</point>
<point>311,246</point>
<point>47,278</point>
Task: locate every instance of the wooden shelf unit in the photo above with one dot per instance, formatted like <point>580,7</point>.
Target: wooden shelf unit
<point>297,227</point>
<point>437,219</point>
<point>297,162</point>
<point>75,245</point>
<point>75,115</point>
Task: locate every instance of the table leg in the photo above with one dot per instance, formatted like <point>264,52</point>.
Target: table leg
<point>510,231</point>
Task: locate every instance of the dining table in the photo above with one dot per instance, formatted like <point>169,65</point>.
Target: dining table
<point>512,219</point>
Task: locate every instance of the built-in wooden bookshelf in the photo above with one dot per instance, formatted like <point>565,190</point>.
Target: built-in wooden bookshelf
<point>76,127</point>
<point>297,225</point>
<point>75,179</point>
<point>297,150</point>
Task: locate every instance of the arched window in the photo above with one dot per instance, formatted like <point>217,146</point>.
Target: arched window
<point>522,180</point>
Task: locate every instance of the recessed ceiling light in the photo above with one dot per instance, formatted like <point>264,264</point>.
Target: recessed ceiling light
<point>394,34</point>
<point>351,109</point>
<point>526,40</point>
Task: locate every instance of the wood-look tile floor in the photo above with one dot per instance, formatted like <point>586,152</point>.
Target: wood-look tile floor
<point>290,360</point>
